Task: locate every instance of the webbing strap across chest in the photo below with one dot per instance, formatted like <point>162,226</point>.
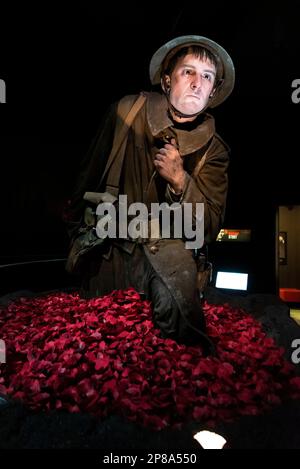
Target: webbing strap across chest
<point>115,160</point>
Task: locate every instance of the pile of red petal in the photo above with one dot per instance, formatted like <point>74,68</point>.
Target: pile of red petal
<point>103,356</point>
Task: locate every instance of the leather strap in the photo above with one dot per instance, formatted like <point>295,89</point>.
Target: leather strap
<point>200,164</point>
<point>116,157</point>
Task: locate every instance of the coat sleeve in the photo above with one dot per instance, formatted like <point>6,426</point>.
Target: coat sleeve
<point>90,171</point>
<point>209,185</point>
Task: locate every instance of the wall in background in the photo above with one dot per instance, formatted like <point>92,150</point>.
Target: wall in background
<point>289,223</point>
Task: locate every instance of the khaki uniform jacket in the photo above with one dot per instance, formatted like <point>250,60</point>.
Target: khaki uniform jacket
<point>125,265</point>
<point>140,181</point>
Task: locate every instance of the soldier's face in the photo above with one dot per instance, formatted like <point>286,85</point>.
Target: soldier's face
<point>191,84</point>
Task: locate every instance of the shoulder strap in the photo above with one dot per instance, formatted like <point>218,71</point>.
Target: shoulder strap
<point>201,162</point>
<point>116,157</point>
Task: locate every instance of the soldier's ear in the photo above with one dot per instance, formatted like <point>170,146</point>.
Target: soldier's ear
<point>166,83</point>
<point>217,85</point>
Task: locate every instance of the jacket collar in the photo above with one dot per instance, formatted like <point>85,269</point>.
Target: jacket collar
<point>159,122</point>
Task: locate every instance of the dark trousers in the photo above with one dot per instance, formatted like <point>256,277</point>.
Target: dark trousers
<point>167,279</point>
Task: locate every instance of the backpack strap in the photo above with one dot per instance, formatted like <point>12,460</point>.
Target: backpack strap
<point>128,109</point>
<point>201,162</point>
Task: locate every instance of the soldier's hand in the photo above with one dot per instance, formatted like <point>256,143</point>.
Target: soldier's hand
<point>169,165</point>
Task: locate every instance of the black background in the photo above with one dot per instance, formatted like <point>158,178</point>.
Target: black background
<point>64,66</point>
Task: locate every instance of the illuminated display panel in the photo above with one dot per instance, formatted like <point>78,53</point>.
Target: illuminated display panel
<point>232,280</point>
<point>232,235</point>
